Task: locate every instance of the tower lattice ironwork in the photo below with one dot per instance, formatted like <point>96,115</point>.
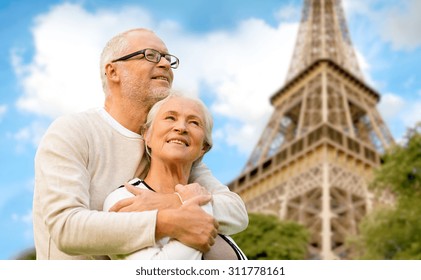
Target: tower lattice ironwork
<point>316,155</point>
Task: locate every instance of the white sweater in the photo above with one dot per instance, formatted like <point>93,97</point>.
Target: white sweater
<point>80,160</point>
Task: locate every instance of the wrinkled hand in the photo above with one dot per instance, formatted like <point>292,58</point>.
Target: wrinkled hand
<point>191,190</point>
<point>144,200</point>
<point>189,224</point>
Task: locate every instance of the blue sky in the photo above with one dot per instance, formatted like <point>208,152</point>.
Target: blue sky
<point>234,55</point>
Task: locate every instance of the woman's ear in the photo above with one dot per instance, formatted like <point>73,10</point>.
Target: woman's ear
<point>205,148</point>
<point>146,133</point>
<point>146,138</point>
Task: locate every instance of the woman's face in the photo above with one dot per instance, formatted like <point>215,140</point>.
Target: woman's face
<point>177,132</point>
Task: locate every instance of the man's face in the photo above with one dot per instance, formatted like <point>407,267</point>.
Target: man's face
<point>142,81</point>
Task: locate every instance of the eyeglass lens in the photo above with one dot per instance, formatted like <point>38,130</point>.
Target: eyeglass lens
<point>155,56</point>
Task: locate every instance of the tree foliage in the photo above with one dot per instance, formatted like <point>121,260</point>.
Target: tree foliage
<point>395,232</point>
<point>401,171</point>
<point>268,238</point>
<point>28,254</point>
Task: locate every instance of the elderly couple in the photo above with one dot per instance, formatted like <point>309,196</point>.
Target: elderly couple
<point>177,210</point>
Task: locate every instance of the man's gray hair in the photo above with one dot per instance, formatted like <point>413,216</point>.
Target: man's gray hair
<point>115,48</point>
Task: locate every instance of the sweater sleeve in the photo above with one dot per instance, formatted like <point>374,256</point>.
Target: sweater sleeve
<point>63,191</point>
<point>228,208</point>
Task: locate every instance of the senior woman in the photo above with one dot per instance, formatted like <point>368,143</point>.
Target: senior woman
<point>178,132</point>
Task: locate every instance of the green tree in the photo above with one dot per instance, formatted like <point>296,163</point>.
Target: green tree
<point>28,254</point>
<point>268,238</point>
<point>395,232</point>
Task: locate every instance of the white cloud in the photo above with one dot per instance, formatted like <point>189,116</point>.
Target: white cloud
<point>352,7</point>
<point>63,75</point>
<point>390,106</point>
<point>31,134</point>
<point>288,13</point>
<point>240,136</point>
<point>242,67</point>
<point>396,22</point>
<point>365,68</point>
<point>26,218</point>
<point>401,25</point>
<point>412,114</point>
<point>25,221</point>
<point>3,110</point>
<point>400,114</point>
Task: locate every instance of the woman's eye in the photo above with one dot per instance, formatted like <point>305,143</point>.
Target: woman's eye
<point>195,123</point>
<point>170,118</point>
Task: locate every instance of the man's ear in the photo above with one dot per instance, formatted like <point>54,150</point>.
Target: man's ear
<point>111,72</point>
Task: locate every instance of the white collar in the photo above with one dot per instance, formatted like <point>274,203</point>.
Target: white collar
<point>116,125</point>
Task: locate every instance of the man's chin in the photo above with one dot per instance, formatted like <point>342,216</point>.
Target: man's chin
<point>156,95</point>
<point>160,93</point>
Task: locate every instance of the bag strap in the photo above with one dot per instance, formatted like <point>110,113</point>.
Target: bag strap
<point>239,254</point>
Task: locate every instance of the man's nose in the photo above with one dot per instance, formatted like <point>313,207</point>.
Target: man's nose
<point>164,63</point>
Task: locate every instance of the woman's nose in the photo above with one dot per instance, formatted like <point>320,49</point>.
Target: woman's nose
<point>180,127</point>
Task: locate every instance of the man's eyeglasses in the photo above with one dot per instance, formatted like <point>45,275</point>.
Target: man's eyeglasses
<point>152,56</point>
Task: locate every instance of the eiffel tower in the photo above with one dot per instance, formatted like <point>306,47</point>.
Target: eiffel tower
<point>315,157</point>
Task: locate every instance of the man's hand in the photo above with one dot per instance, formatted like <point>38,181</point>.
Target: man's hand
<point>189,224</point>
<point>191,190</point>
<point>145,200</point>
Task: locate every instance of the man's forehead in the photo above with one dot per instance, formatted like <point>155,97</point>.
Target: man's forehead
<point>143,39</point>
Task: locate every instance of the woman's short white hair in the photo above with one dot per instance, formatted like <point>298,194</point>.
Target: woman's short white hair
<point>208,120</point>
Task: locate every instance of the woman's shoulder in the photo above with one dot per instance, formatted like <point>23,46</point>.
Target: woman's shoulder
<point>121,193</point>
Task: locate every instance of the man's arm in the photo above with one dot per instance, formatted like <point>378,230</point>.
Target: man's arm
<point>228,208</point>
<point>63,214</point>
<point>188,223</point>
<point>198,229</point>
<point>185,222</point>
<point>141,199</point>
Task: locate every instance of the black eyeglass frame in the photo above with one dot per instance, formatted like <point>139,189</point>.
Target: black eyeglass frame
<point>173,65</point>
